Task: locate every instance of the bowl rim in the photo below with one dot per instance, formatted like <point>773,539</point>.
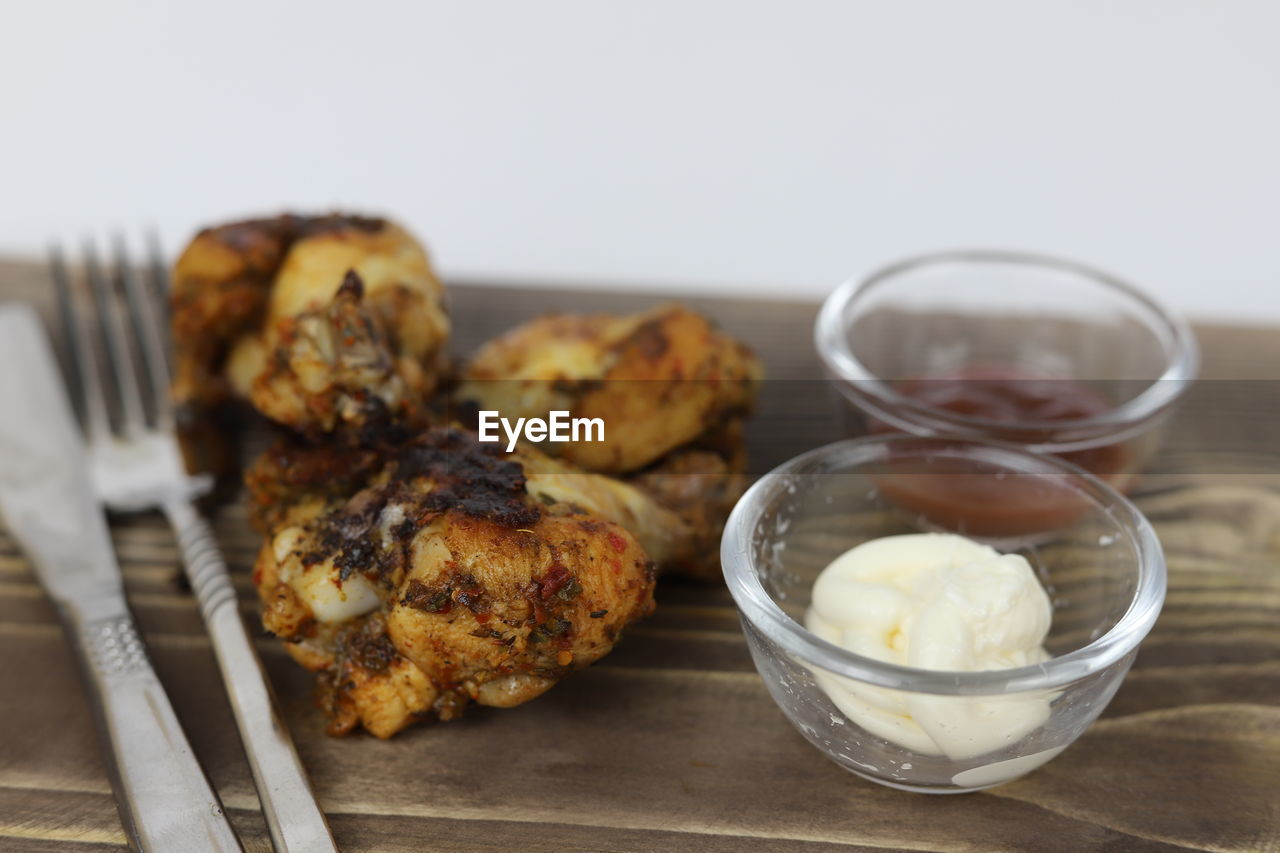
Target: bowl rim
<point>763,614</point>
<point>1162,392</point>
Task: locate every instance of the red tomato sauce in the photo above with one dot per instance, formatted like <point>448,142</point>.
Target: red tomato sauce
<point>961,496</point>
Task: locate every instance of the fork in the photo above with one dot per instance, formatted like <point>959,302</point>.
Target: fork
<point>136,465</point>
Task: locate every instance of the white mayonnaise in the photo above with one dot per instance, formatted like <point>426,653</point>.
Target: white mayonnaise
<point>940,602</point>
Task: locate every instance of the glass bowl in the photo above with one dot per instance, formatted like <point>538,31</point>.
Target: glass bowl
<point>1056,329</point>
<point>1100,563</point>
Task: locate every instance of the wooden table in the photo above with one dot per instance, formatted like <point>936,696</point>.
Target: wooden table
<point>672,742</point>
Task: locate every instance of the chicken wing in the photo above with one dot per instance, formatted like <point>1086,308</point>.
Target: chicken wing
<point>672,390</point>
<point>321,322</point>
<point>659,380</point>
<point>439,574</point>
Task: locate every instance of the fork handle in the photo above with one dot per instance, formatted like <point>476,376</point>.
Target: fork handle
<point>165,801</point>
<point>289,807</point>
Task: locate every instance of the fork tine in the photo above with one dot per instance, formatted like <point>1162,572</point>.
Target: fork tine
<point>110,326</point>
<point>146,327</point>
<point>157,273</point>
<point>88,387</point>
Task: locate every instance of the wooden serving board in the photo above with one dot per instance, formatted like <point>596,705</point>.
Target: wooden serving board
<point>671,742</point>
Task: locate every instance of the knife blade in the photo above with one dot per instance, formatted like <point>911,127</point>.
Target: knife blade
<point>46,496</point>
<point>48,504</point>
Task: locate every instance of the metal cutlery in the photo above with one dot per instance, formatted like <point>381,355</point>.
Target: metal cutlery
<point>48,503</point>
<point>137,466</point>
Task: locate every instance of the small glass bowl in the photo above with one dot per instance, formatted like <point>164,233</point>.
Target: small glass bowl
<point>1101,565</point>
<point>1062,325</point>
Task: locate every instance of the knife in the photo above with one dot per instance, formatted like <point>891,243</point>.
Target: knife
<point>48,504</point>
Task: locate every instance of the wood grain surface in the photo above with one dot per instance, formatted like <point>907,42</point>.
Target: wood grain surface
<point>671,742</point>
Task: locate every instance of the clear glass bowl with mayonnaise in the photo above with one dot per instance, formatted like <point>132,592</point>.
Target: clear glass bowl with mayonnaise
<point>940,615</point>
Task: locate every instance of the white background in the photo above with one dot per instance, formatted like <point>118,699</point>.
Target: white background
<point>747,146</point>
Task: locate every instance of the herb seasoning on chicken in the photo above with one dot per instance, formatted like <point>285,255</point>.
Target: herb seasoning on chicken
<point>442,580</point>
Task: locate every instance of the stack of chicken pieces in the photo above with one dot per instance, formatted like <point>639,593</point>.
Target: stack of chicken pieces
<point>413,567</point>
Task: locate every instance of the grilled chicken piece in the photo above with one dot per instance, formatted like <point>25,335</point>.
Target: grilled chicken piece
<point>441,573</point>
<point>267,310</point>
<point>672,390</point>
<point>659,380</point>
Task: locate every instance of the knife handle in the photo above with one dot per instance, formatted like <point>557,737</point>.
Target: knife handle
<point>294,819</point>
<point>165,801</point>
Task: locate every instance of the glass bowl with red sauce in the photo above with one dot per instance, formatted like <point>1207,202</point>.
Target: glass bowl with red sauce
<point>1044,353</point>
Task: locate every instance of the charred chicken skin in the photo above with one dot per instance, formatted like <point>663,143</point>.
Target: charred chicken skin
<point>325,324</point>
<point>437,576</point>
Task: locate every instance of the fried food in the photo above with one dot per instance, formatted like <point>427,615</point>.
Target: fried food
<point>416,570</point>
<point>328,323</point>
<point>442,573</point>
<point>660,380</point>
<point>672,390</point>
